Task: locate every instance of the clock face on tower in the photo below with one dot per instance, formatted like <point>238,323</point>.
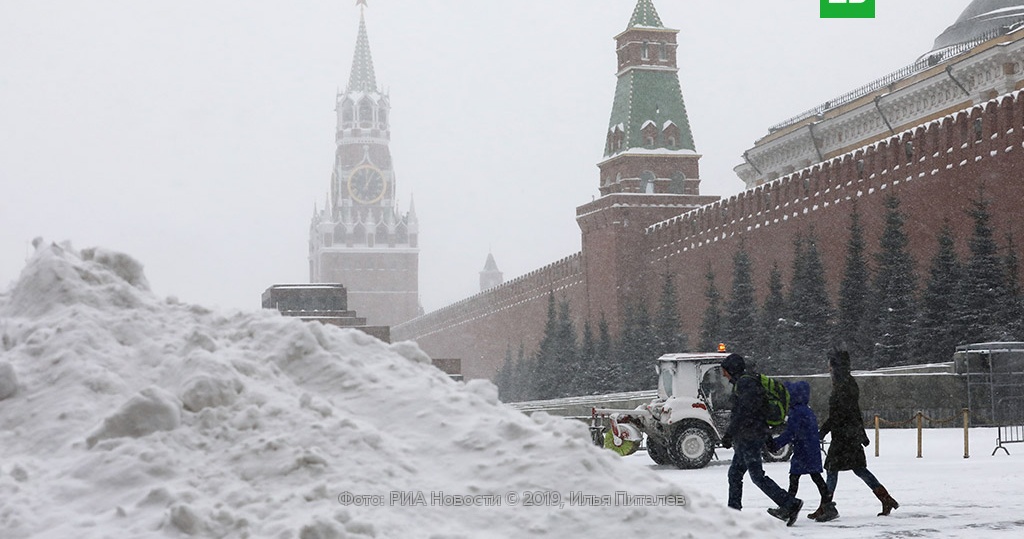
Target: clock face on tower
<point>366,184</point>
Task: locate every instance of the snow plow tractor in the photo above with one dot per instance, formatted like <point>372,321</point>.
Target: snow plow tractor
<point>684,424</point>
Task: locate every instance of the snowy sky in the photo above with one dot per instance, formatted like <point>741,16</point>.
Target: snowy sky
<point>197,135</point>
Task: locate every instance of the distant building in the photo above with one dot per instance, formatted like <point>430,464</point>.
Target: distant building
<point>491,276</point>
<point>360,238</point>
<point>977,58</point>
<point>325,303</point>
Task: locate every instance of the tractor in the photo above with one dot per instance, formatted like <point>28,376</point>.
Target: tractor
<point>682,425</point>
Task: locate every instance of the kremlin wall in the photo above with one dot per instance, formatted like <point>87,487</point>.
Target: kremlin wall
<point>936,165</point>
<point>949,165</point>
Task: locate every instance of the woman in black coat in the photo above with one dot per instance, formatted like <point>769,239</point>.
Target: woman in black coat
<point>846,451</point>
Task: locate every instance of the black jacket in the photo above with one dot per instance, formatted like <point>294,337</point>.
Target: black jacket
<point>846,451</point>
<point>748,420</point>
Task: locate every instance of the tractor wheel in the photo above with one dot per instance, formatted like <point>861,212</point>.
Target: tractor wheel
<point>692,446</point>
<point>783,453</point>
<point>657,451</point>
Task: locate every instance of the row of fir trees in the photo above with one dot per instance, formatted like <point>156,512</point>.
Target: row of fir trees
<point>884,316</point>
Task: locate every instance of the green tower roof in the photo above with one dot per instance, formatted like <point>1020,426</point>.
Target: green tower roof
<point>648,94</point>
<point>643,96</point>
<point>362,77</point>
<point>645,15</point>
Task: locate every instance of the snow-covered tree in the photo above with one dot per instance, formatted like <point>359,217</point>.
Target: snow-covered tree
<point>638,349</point>
<point>810,310</point>
<point>895,287</point>
<point>1013,309</point>
<point>669,325</point>
<point>546,374</point>
<point>503,378</point>
<point>741,321</point>
<point>711,323</point>
<point>584,377</point>
<point>773,317</point>
<point>938,332</point>
<point>983,286</point>
<point>851,326</point>
<point>608,372</point>
<point>566,353</point>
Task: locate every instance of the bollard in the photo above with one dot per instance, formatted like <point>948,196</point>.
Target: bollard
<point>876,435</point>
<point>967,440</point>
<point>920,420</point>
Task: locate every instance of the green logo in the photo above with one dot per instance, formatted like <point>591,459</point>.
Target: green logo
<point>847,9</point>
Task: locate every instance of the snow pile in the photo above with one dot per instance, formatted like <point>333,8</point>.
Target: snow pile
<point>125,416</point>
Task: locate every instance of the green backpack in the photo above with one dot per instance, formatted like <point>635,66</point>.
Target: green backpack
<point>778,400</point>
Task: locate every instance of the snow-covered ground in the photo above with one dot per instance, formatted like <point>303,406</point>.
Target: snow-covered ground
<point>941,494</point>
<point>124,415</point>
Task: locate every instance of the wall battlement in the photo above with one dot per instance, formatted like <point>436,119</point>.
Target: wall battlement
<point>936,169</point>
<point>559,276</point>
<point>967,137</point>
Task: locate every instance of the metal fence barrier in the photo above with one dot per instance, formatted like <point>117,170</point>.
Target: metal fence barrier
<point>1010,434</point>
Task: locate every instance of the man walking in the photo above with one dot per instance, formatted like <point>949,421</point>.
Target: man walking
<point>746,434</point>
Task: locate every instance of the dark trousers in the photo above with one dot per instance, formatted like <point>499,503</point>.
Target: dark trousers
<point>819,481</point>
<point>863,473</point>
<point>746,458</point>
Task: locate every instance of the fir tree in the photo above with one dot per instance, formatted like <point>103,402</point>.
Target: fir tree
<point>1013,310</point>
<point>937,332</point>
<point>810,311</point>
<point>523,384</point>
<point>773,316</point>
<point>852,327</point>
<point>503,378</point>
<point>638,349</point>
<point>711,323</point>
<point>585,378</point>
<point>983,285</point>
<point>895,288</point>
<point>546,360</point>
<point>566,354</point>
<point>741,311</point>
<point>669,325</point>
<point>608,372</point>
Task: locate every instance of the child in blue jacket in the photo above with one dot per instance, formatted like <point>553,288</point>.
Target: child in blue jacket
<point>802,432</point>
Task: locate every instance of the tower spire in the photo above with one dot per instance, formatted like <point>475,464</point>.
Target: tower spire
<point>648,114</point>
<point>362,77</point>
<point>645,15</point>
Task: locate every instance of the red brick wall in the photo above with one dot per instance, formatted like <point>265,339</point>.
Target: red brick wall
<point>478,330</point>
<point>619,263</point>
<point>953,169</point>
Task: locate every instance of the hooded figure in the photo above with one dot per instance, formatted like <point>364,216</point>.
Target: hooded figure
<point>801,431</point>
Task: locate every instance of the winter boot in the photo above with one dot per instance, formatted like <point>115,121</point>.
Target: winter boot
<point>821,508</point>
<point>789,512</point>
<point>828,512</point>
<point>888,504</point>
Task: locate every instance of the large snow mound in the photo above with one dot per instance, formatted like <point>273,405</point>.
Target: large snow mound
<point>129,416</point>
